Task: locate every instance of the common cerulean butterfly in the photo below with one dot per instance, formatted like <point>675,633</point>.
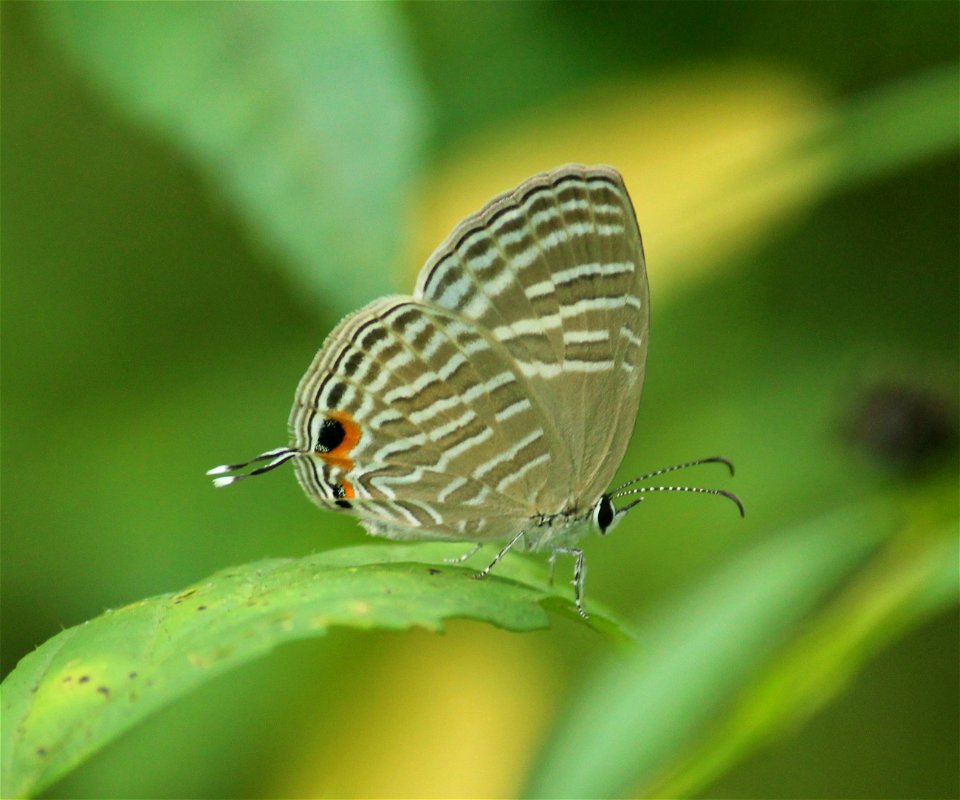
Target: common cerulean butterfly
<point>496,402</point>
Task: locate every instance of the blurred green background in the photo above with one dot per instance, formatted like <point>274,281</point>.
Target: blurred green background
<point>194,194</point>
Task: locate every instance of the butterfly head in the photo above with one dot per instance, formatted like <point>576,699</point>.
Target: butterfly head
<point>605,515</point>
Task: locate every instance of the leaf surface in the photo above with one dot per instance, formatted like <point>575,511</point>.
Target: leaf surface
<point>89,683</point>
<point>308,118</point>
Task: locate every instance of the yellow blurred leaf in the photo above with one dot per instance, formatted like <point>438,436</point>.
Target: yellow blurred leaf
<point>450,716</point>
<point>702,154</point>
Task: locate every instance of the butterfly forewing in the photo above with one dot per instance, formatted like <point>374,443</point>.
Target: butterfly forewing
<point>554,271</point>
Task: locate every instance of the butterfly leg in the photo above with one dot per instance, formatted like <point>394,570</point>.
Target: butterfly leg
<point>464,557</point>
<point>579,574</point>
<point>501,554</point>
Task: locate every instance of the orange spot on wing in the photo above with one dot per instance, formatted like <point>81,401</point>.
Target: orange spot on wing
<point>340,455</point>
<point>348,492</point>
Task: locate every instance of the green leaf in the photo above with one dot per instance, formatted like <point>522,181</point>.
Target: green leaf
<point>893,126</point>
<point>308,117</point>
<point>915,577</point>
<point>89,683</point>
<point>638,713</point>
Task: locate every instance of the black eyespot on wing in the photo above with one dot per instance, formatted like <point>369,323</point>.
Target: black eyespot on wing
<point>331,435</point>
<point>605,513</point>
<point>340,493</point>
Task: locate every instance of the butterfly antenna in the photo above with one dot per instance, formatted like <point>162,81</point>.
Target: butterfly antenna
<point>694,489</point>
<point>276,457</point>
<point>674,468</point>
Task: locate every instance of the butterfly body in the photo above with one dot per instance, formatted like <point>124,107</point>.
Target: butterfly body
<point>505,388</point>
<point>495,402</point>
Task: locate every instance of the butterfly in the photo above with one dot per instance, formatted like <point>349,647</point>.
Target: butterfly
<point>496,402</point>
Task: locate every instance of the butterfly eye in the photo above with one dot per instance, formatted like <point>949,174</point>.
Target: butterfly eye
<point>604,514</point>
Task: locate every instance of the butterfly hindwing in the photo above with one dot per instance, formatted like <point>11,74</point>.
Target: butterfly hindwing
<point>438,422</point>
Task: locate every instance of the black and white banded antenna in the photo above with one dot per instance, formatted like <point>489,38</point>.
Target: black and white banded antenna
<point>623,491</point>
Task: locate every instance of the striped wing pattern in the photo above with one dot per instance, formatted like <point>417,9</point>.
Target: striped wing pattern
<point>505,388</point>
<point>444,429</point>
<point>555,271</point>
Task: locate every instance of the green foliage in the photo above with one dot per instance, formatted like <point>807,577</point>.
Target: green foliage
<point>89,683</point>
<point>272,108</point>
<point>128,373</point>
<point>639,719</point>
<point>913,579</point>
